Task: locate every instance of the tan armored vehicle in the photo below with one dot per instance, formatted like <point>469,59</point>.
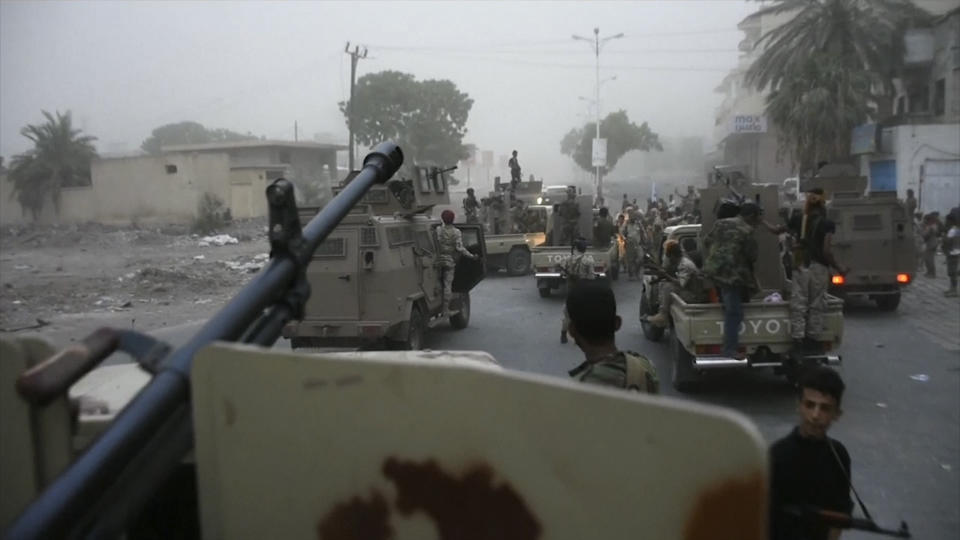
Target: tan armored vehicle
<point>696,338</point>
<point>377,270</point>
<point>874,238</point>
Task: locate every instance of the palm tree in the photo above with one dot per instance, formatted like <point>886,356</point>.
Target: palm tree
<point>817,107</point>
<point>60,157</point>
<point>864,35</point>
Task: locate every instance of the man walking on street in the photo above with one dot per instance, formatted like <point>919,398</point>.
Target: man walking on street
<point>931,236</point>
<point>450,248</point>
<point>808,469</point>
<point>813,259</point>
<point>732,253</point>
<point>592,309</point>
<point>951,248</point>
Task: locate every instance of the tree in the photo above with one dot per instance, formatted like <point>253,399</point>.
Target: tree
<point>816,109</point>
<point>60,157</point>
<point>426,118</point>
<point>189,133</point>
<point>860,35</point>
<point>622,136</point>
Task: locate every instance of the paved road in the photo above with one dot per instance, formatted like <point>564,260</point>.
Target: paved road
<point>902,433</point>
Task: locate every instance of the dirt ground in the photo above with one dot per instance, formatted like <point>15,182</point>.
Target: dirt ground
<point>64,282</point>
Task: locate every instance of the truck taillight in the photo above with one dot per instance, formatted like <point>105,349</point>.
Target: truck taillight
<point>903,278</point>
<point>837,280</point>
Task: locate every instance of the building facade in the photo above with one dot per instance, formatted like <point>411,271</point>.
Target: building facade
<point>918,148</point>
<point>168,188</point>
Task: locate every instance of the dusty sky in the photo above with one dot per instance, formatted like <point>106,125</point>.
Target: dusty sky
<point>124,68</point>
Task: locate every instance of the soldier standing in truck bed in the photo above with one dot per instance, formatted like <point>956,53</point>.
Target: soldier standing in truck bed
<point>570,216</point>
<point>576,269</point>
<point>471,206</point>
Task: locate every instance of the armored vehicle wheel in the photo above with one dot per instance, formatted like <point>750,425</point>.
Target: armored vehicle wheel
<point>888,302</point>
<point>415,330</point>
<point>518,261</point>
<point>461,319</point>
<point>682,373</point>
<point>651,332</point>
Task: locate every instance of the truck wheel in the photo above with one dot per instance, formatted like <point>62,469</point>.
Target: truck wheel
<point>518,261</point>
<point>462,318</point>
<point>682,374</point>
<point>651,332</point>
<point>415,330</point>
<point>888,302</point>
<point>543,287</point>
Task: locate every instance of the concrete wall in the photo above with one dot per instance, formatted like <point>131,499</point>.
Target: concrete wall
<point>141,188</point>
<point>304,166</point>
<point>247,193</point>
<point>76,205</point>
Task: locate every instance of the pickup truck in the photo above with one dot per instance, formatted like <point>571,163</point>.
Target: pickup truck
<point>697,339</point>
<point>512,251</point>
<point>547,258</point>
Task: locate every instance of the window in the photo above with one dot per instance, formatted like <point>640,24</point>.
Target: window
<point>424,242</point>
<point>867,222</point>
<point>439,180</point>
<point>283,156</point>
<point>399,235</point>
<point>171,169</point>
<point>919,99</point>
<point>331,248</point>
<point>368,237</point>
<point>939,97</point>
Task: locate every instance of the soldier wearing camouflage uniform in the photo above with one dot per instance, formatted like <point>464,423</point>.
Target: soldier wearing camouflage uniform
<point>449,249</point>
<point>731,253</point>
<point>811,272</point>
<point>471,206</point>
<point>570,216</point>
<point>681,276</point>
<point>576,269</point>
<point>593,323</point>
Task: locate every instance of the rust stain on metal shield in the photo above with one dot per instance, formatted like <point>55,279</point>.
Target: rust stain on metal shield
<point>358,518</point>
<point>468,506</point>
<point>729,510</point>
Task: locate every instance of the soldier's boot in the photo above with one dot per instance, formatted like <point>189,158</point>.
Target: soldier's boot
<point>660,320</point>
<point>563,336</point>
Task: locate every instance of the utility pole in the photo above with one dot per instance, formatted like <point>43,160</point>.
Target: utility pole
<point>355,55</point>
<point>597,42</point>
<point>295,132</point>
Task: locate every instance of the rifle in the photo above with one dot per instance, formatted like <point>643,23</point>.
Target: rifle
<point>106,486</point>
<point>838,520</point>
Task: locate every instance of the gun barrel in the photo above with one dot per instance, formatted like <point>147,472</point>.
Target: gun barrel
<point>104,486</point>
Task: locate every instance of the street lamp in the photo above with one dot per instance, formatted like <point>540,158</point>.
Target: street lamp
<point>597,43</point>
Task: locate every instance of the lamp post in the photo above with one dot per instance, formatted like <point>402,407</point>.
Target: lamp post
<point>597,42</point>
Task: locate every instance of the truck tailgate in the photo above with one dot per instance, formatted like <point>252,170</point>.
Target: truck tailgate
<point>764,323</point>
<point>546,259</point>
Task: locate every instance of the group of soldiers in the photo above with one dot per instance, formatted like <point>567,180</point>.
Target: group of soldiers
<point>501,214</point>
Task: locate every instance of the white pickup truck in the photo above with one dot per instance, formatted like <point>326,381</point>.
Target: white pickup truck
<point>546,259</point>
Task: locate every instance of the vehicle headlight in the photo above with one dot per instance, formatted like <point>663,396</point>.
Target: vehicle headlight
<point>539,200</point>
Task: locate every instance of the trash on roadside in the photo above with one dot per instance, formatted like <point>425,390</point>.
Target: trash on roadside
<point>217,240</point>
<point>946,466</point>
<point>198,257</point>
<point>882,405</point>
<point>922,377</point>
<point>203,301</point>
<point>22,267</point>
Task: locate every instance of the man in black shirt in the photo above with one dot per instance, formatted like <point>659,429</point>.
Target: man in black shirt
<point>813,261</point>
<point>809,470</point>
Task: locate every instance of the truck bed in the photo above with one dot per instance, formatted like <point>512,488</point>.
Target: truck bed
<point>699,327</point>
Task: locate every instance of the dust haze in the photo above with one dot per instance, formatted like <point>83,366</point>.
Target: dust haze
<point>126,68</point>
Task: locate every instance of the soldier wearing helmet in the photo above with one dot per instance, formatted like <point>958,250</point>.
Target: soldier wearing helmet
<point>450,248</point>
<point>577,268</point>
<point>731,254</point>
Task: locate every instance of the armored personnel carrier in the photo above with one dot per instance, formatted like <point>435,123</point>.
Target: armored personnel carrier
<point>377,270</point>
